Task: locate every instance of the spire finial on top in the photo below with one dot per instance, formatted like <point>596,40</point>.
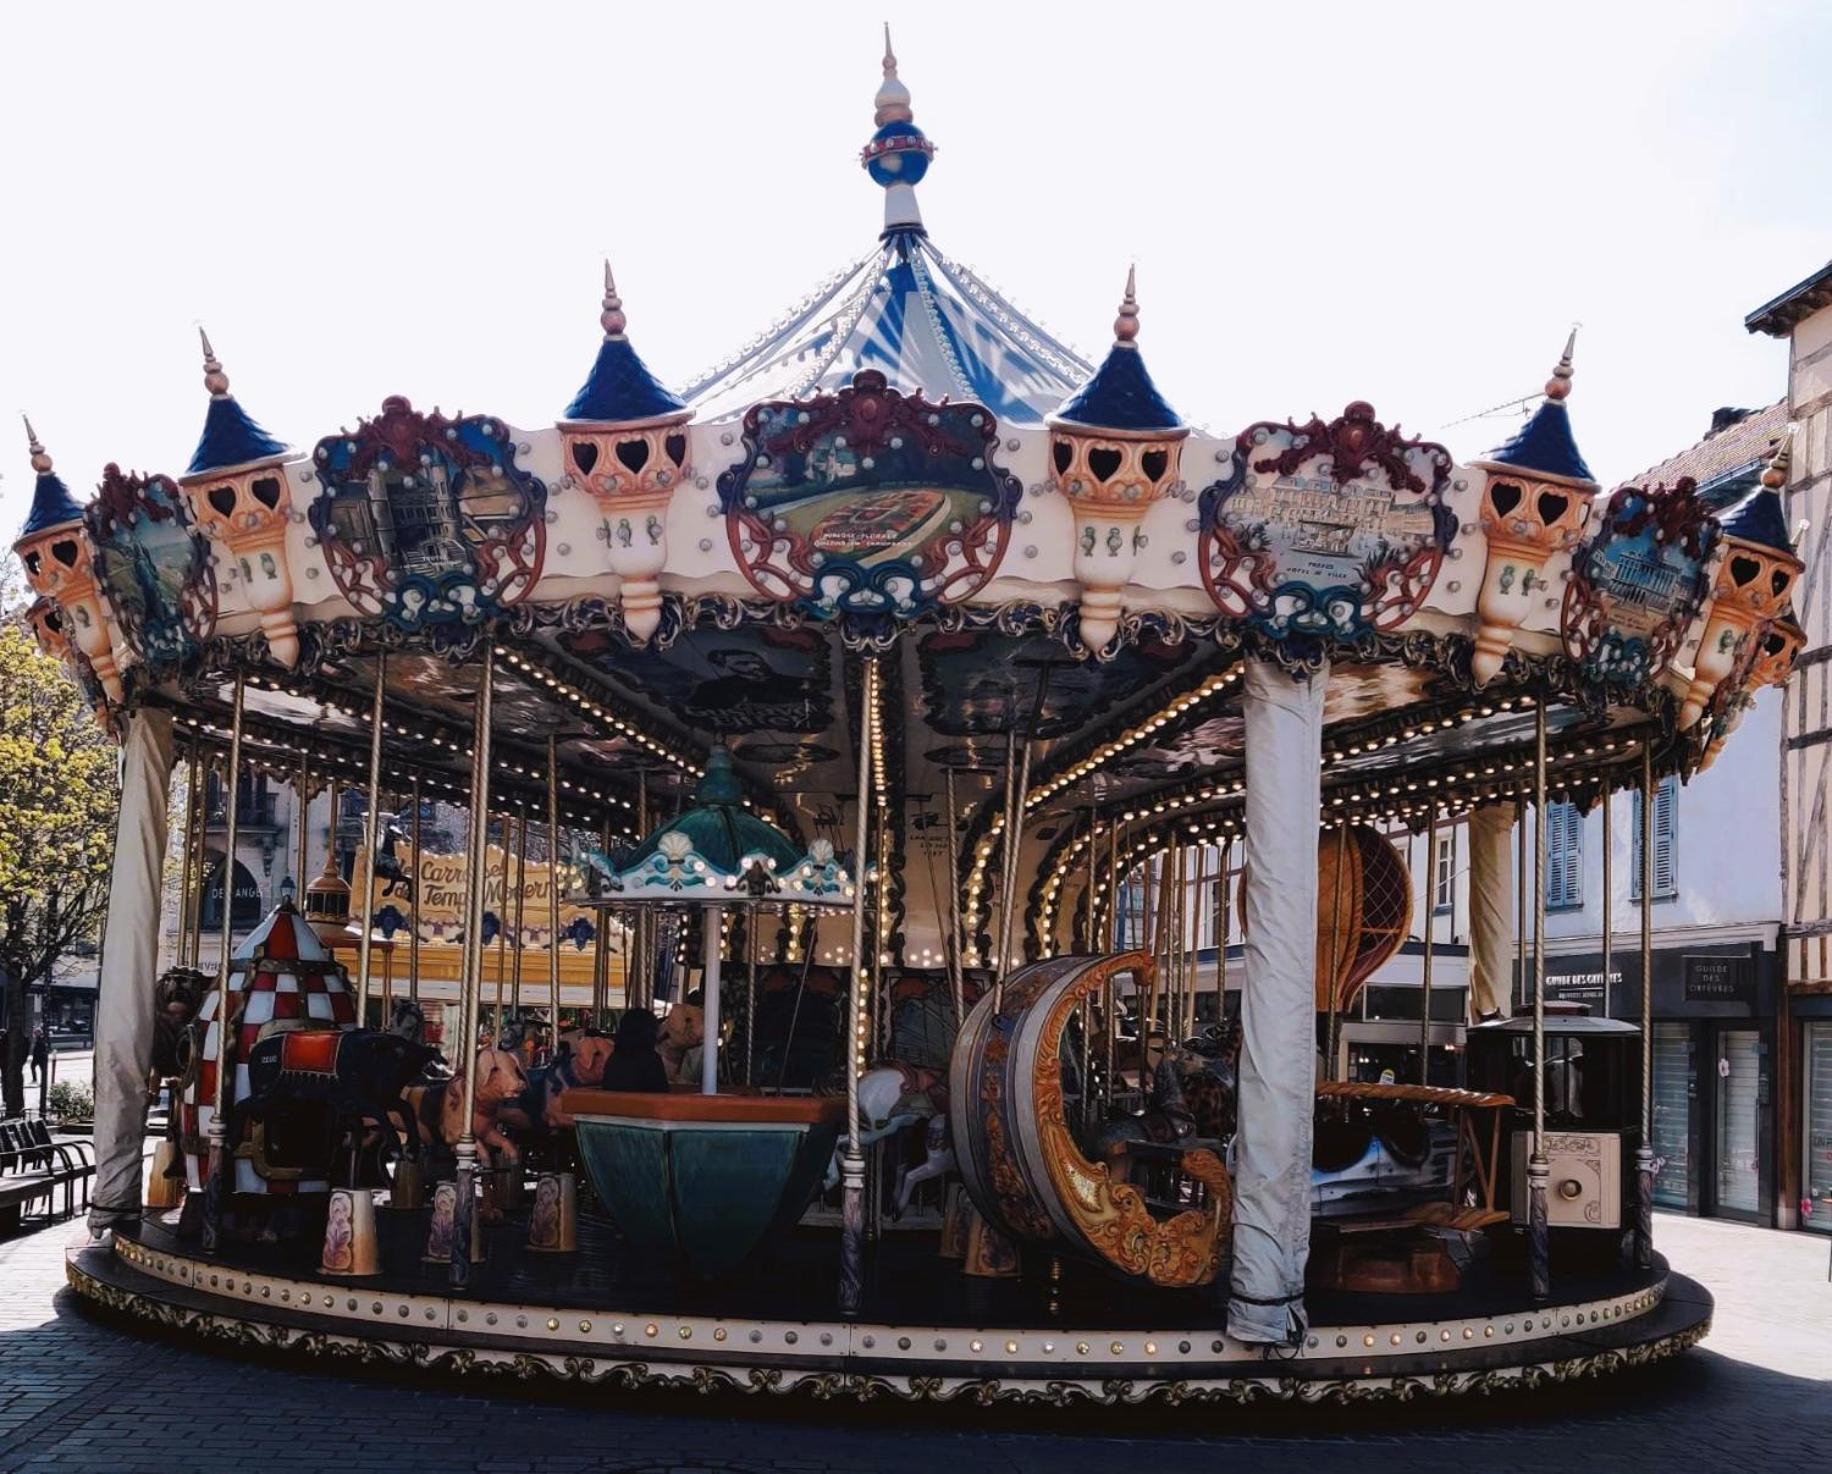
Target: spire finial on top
<point>41,460</point>
<point>612,317</point>
<point>1126,325</point>
<point>893,99</point>
<point>1775,473</point>
<point>1559,385</point>
<point>215,380</point>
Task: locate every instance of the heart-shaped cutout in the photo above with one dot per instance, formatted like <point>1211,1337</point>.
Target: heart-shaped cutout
<point>1155,463</point>
<point>634,454</point>
<point>1064,455</point>
<point>585,456</point>
<point>1742,570</point>
<point>1103,462</point>
<point>222,498</point>
<point>1504,496</point>
<point>1779,581</point>
<point>33,563</point>
<point>65,551</point>
<point>266,491</point>
<point>1552,505</point>
<point>676,448</point>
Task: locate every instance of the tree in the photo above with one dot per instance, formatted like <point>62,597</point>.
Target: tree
<point>59,796</point>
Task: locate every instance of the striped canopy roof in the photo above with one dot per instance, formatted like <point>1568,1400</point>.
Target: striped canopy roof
<point>926,322</point>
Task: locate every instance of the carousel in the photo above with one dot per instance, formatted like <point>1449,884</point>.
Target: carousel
<point>968,797</point>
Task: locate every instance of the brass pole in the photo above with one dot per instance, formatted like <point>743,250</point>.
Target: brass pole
<point>1539,1169</point>
<point>1644,1154</point>
<point>521,902</point>
<point>957,984</point>
<point>1195,943</point>
<point>303,788</point>
<point>880,1010</point>
<point>553,890</point>
<point>365,893</point>
<point>220,1158</point>
<point>502,925</point>
<point>1332,1033</point>
<point>413,928</point>
<point>1002,937</point>
<point>1609,890</point>
<point>852,1162</point>
<point>601,949</point>
<point>471,973</point>
<point>1224,925</point>
<point>193,834</point>
<point>196,917</point>
<point>1520,903</point>
<point>1085,942</point>
<point>1431,862</point>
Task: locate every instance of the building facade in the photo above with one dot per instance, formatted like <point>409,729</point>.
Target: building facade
<point>1802,317</point>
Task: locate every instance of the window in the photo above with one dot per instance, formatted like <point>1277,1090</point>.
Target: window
<point>1564,857</point>
<point>1666,843</point>
<point>1444,873</point>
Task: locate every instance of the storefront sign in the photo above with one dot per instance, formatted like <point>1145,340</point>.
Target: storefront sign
<point>1719,980</point>
<point>1580,987</point>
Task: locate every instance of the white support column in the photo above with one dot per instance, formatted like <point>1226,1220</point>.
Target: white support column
<point>1491,909</point>
<point>1278,1063</point>
<point>130,965</point>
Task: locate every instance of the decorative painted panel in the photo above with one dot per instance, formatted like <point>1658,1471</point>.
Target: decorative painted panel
<point>1638,583</point>
<point>153,566</point>
<point>869,501</point>
<point>426,520</point>
<point>1330,530</point>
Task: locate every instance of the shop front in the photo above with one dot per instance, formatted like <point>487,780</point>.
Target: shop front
<point>1713,1044</point>
<point>1813,1024</point>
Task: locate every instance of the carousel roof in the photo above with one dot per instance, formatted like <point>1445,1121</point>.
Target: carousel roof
<point>620,389</point>
<point>231,437</point>
<point>283,934</point>
<point>1121,395</point>
<point>52,504</point>
<point>1544,445</point>
<point>1758,519</point>
<point>926,322</point>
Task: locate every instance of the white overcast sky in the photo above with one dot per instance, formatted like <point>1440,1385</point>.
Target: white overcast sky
<point>1402,203</point>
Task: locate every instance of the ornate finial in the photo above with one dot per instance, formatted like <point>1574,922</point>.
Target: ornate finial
<point>215,380</point>
<point>1775,473</point>
<point>893,99</point>
<point>1559,385</point>
<point>612,317</point>
<point>1126,325</point>
<point>41,460</point>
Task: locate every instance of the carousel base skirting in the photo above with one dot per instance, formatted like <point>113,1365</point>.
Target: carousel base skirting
<point>413,1322</point>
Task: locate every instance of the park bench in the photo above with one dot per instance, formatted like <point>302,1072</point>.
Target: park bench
<point>33,1165</point>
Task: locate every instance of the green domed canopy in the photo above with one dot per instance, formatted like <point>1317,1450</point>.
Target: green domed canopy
<point>720,853</point>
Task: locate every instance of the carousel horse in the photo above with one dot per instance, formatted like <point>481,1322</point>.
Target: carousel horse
<point>893,1097</point>
<point>360,1074</point>
<point>1211,1087</point>
<point>388,864</point>
<point>437,1106</point>
<point>408,1021</point>
<point>938,1161</point>
<point>580,1060</point>
<point>1166,1120</point>
<point>682,1032</point>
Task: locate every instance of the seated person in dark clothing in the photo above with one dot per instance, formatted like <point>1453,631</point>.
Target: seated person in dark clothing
<point>634,1064</point>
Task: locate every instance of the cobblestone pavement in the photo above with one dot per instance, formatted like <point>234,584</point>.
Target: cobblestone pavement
<point>79,1394</point>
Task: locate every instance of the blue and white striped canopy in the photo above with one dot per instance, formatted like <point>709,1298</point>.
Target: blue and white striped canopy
<point>927,323</point>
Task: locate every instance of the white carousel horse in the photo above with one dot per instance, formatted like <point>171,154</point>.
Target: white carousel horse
<point>893,1097</point>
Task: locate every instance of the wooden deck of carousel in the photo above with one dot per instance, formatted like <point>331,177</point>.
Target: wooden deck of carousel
<point>926,1331</point>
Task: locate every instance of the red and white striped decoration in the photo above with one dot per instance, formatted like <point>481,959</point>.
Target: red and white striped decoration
<point>281,979</point>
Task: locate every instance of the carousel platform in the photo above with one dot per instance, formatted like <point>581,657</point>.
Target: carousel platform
<point>600,1316</point>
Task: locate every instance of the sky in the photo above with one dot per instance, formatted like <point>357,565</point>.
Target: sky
<point>1408,204</point>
